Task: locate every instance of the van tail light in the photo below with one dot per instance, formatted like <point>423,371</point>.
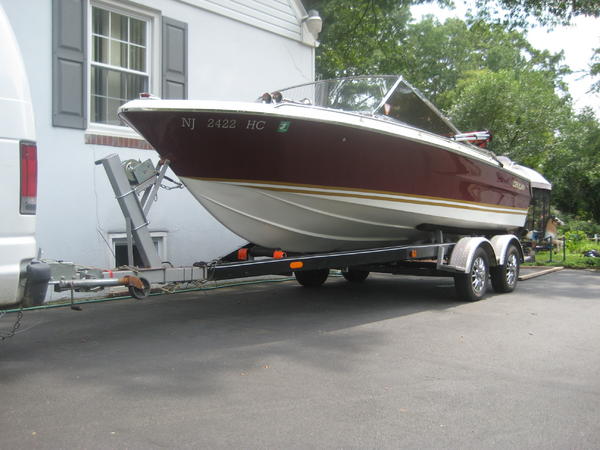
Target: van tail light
<point>28,177</point>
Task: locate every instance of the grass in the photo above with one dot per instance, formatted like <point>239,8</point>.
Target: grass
<point>572,261</point>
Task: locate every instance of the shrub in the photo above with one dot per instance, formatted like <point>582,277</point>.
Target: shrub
<point>576,241</point>
<point>590,228</point>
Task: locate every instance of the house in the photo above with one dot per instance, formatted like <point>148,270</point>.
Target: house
<point>84,58</point>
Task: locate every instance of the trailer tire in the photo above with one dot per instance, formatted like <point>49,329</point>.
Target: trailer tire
<point>311,278</point>
<point>140,293</point>
<point>472,286</point>
<point>355,275</point>
<point>505,277</point>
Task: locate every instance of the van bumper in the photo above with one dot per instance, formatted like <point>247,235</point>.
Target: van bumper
<point>36,285</point>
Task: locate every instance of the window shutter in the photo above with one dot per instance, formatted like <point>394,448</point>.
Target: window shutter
<point>69,32</point>
<point>174,59</point>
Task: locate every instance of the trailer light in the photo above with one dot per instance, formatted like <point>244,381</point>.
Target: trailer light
<point>242,254</point>
<point>296,265</point>
<point>28,178</point>
<point>278,254</point>
<point>413,253</point>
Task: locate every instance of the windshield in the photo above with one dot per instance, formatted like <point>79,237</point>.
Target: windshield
<point>405,104</point>
<point>389,96</point>
<point>358,94</point>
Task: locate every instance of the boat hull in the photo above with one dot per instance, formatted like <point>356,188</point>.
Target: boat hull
<point>282,178</point>
<point>289,217</point>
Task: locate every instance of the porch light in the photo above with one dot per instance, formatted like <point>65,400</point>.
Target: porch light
<point>313,22</point>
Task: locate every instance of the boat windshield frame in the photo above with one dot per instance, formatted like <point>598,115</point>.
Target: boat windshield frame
<point>429,118</point>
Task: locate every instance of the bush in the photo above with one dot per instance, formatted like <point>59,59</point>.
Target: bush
<point>576,241</point>
<point>588,227</point>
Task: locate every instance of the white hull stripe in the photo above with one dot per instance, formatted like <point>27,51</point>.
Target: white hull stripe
<point>369,195</point>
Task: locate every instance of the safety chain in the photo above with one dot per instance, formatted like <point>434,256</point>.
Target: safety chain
<point>176,184</point>
<point>174,287</point>
<point>15,326</point>
<point>210,270</point>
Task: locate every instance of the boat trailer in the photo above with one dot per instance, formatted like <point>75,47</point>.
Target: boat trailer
<point>471,260</point>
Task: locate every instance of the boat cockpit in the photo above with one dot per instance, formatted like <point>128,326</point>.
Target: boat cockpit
<point>386,97</point>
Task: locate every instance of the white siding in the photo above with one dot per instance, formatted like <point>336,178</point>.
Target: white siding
<point>277,16</point>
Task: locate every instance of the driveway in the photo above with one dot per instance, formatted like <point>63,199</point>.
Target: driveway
<point>395,362</point>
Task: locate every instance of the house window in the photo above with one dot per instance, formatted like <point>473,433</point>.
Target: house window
<point>121,255</point>
<point>119,62</point>
<point>104,53</point>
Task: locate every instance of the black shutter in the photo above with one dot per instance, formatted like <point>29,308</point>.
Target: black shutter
<point>174,59</point>
<point>69,93</point>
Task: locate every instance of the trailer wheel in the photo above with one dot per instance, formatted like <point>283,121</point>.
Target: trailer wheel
<point>471,286</point>
<point>140,293</point>
<point>355,275</point>
<point>312,278</point>
<point>504,278</point>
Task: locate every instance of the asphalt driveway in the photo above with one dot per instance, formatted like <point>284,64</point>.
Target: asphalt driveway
<point>395,362</point>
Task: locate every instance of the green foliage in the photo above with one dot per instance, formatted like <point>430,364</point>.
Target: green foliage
<point>435,56</point>
<point>595,69</point>
<point>359,36</point>
<point>574,166</point>
<point>574,223</point>
<point>574,240</point>
<point>522,110</point>
<point>371,37</point>
<point>572,261</point>
<point>549,12</point>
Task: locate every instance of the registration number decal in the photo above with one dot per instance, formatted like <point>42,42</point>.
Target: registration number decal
<point>230,124</point>
<point>221,123</point>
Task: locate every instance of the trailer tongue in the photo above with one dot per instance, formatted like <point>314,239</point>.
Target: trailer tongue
<point>471,260</point>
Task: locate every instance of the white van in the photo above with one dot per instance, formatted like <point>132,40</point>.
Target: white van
<point>22,280</point>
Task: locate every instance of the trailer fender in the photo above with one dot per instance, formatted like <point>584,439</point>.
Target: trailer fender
<point>464,250</point>
<point>501,242</point>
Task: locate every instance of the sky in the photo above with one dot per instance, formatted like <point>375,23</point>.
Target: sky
<point>577,40</point>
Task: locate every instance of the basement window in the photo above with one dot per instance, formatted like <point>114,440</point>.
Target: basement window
<point>120,254</point>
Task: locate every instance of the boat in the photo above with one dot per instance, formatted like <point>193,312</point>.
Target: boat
<point>351,163</point>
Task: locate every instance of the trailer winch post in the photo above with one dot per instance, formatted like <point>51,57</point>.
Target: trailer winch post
<point>151,192</point>
<point>132,210</point>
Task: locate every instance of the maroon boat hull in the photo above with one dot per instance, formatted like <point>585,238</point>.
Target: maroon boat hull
<point>322,154</point>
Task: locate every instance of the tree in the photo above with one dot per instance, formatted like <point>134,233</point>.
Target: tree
<point>548,12</point>
<point>522,110</point>
<point>377,36</point>
<point>435,56</point>
<point>595,69</point>
<point>574,166</point>
<point>361,36</point>
<point>358,36</point>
